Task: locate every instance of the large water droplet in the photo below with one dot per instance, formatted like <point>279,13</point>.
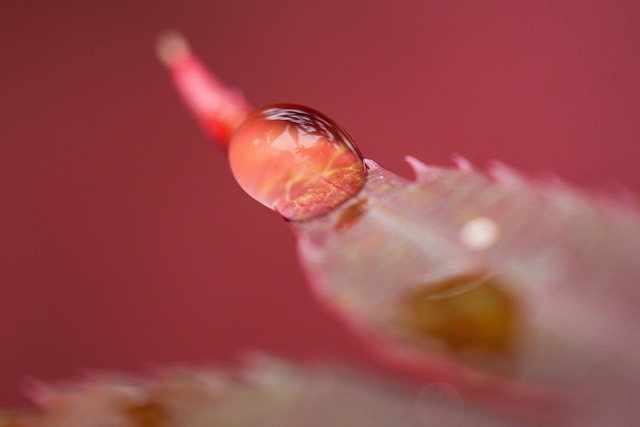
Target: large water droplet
<point>296,161</point>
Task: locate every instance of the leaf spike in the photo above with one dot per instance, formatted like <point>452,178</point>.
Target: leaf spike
<point>218,108</point>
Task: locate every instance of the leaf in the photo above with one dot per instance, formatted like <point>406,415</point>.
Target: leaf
<point>522,294</point>
<point>267,393</point>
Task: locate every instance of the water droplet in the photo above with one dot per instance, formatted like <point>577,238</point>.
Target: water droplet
<point>295,161</point>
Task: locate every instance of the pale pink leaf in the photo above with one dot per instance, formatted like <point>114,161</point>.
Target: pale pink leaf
<point>568,265</point>
<point>267,393</point>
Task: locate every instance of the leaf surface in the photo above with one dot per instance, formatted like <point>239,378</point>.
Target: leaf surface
<point>524,295</point>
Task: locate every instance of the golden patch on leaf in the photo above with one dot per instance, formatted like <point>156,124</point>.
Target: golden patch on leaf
<point>9,422</point>
<point>470,312</point>
<point>351,214</point>
<point>148,414</point>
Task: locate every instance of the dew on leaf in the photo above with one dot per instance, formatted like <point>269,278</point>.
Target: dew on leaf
<point>295,161</point>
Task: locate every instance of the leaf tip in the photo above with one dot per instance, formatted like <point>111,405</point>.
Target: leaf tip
<point>172,48</point>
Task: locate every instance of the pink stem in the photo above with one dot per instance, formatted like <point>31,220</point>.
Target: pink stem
<point>218,108</point>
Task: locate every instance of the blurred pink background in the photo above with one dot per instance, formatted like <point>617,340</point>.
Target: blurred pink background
<point>124,240</point>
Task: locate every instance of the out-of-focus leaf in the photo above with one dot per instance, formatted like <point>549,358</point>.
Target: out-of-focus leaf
<point>268,393</point>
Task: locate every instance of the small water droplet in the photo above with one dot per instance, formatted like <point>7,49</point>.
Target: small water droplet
<point>295,161</point>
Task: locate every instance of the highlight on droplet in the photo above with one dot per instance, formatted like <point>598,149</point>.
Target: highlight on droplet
<point>479,233</point>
